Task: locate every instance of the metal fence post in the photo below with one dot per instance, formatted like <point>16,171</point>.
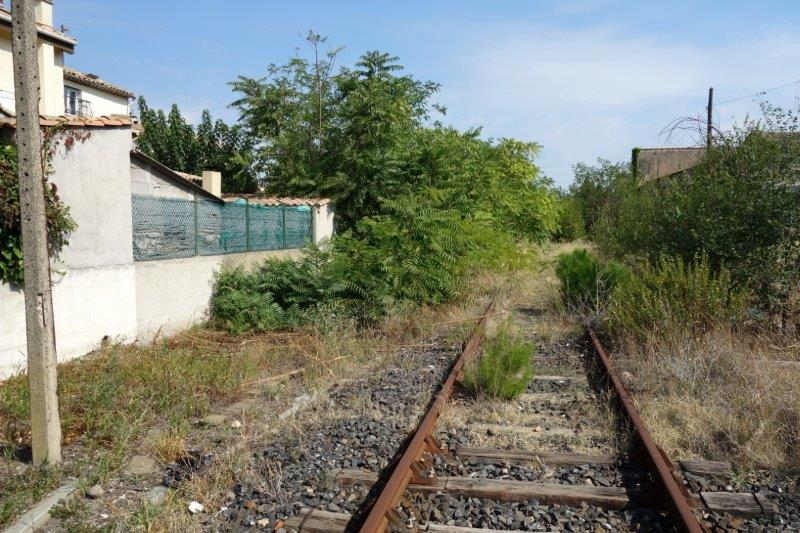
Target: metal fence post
<point>196,225</point>
<point>283,213</point>
<point>247,223</point>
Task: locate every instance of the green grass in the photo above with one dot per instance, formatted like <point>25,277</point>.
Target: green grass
<point>503,370</point>
<point>108,399</point>
<point>19,491</point>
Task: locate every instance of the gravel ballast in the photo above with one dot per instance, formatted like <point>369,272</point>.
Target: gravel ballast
<point>359,424</point>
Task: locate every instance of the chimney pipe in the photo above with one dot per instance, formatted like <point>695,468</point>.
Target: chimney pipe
<point>212,182</point>
<point>44,12</point>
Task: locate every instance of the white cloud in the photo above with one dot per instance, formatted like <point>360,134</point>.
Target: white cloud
<point>598,93</point>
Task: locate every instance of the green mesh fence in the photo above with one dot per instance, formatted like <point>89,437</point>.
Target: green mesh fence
<point>297,228</point>
<point>166,228</point>
<point>266,228</point>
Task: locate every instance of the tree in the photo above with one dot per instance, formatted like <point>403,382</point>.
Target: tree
<point>288,112</point>
<point>347,135</point>
<point>594,186</point>
<point>212,145</point>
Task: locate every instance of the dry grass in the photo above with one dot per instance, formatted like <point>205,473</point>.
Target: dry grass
<point>126,399</point>
<point>720,396</point>
<point>533,305</point>
<point>169,446</point>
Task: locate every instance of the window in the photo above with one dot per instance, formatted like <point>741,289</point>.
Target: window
<point>72,101</point>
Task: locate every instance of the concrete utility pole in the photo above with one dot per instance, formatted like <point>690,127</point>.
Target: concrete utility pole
<point>42,378</point>
<point>709,123</point>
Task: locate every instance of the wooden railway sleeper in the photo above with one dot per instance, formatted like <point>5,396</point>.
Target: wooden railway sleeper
<point>416,517</point>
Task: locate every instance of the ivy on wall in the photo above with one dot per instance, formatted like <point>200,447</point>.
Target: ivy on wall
<point>59,222</point>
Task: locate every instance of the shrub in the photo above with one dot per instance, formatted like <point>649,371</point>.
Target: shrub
<point>675,296</point>
<point>416,255</point>
<point>241,303</point>
<point>570,221</point>
<point>739,207</point>
<point>59,223</point>
<point>584,280</point>
<point>504,368</point>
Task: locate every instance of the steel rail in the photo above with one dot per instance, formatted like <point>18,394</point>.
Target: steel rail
<point>677,498</point>
<point>377,520</point>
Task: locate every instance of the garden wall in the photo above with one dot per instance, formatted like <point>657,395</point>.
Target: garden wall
<point>100,290</point>
<point>94,280</point>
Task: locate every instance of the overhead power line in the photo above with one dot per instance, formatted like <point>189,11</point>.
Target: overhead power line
<point>759,93</point>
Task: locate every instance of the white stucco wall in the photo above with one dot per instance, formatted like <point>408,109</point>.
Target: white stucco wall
<point>146,181</point>
<point>51,80</point>
<point>51,76</point>
<point>94,292</point>
<point>322,223</point>
<point>174,294</point>
<point>102,103</point>
<point>98,290</point>
<point>6,71</point>
<point>51,70</point>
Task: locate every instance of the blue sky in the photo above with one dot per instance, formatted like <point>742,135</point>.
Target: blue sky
<point>584,78</point>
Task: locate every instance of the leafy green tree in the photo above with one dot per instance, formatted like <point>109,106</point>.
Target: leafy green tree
<point>418,206</point>
<point>346,135</point>
<point>594,186</point>
<point>212,145</point>
<point>362,137</point>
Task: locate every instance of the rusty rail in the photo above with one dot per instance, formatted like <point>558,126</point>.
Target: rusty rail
<point>677,498</point>
<point>377,519</point>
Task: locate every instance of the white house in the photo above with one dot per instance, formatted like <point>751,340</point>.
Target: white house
<point>87,95</point>
<point>64,91</point>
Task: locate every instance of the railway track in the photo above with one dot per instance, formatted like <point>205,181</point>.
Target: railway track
<point>455,488</point>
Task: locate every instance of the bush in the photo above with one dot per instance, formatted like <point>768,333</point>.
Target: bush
<point>570,221</point>
<point>415,255</point>
<point>584,280</point>
<point>675,296</point>
<point>59,223</point>
<point>739,207</point>
<point>240,304</point>
<point>274,296</point>
<point>504,368</point>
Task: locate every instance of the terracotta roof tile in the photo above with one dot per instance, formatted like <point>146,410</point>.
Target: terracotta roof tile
<point>70,74</point>
<point>77,122</point>
<point>275,200</point>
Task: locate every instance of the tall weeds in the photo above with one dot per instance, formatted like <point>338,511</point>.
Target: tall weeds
<point>586,282</point>
<point>675,297</point>
<point>720,395</point>
<point>503,369</point>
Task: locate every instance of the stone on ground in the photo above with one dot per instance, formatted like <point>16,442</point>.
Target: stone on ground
<point>156,495</point>
<point>213,420</point>
<point>95,491</point>
<point>141,465</point>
